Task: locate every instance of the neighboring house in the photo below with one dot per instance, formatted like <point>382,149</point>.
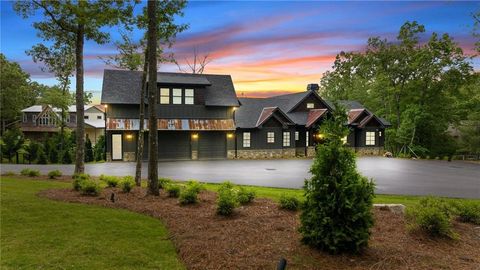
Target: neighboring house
<point>200,117</point>
<point>41,120</point>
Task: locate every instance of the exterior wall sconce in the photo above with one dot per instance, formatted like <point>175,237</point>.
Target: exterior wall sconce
<point>229,135</point>
<point>194,136</point>
<point>320,136</point>
<point>129,136</point>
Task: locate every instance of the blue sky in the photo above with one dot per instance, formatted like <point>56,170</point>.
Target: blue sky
<point>267,47</point>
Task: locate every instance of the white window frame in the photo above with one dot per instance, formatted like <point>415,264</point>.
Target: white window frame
<point>286,138</point>
<point>67,118</point>
<point>34,118</point>
<point>270,137</point>
<point>370,138</point>
<point>246,138</point>
<point>176,96</point>
<point>164,97</point>
<point>310,105</point>
<point>189,96</point>
<point>297,135</point>
<point>306,138</point>
<point>379,134</point>
<point>25,118</point>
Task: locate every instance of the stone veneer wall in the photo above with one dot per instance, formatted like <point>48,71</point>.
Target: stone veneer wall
<point>262,153</point>
<point>369,151</point>
<point>311,151</point>
<point>108,157</point>
<point>129,156</point>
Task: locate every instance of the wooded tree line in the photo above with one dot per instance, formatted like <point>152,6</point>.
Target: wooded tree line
<point>425,88</point>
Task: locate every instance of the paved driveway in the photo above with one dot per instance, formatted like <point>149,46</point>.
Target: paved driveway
<point>392,176</point>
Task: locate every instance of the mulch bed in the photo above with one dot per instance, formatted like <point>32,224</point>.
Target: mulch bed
<point>259,234</point>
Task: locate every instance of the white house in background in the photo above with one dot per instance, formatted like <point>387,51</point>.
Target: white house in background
<point>39,120</point>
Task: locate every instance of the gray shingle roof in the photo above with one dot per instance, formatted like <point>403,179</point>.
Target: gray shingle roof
<point>247,115</point>
<point>123,86</point>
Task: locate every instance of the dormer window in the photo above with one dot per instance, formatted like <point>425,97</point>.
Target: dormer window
<point>189,96</point>
<point>177,96</point>
<point>164,95</point>
<point>310,105</point>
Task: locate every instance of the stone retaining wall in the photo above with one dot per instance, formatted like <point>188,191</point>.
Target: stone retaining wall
<point>129,156</point>
<point>369,151</point>
<point>262,153</point>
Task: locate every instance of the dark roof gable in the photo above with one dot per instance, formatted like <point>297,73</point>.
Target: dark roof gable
<point>123,86</point>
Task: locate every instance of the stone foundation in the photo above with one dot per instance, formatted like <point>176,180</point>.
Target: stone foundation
<point>311,151</point>
<point>369,151</point>
<point>129,156</point>
<point>263,153</point>
<point>231,154</point>
<point>194,154</point>
<point>108,157</point>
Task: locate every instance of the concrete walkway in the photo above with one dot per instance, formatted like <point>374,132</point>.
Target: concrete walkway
<point>392,176</point>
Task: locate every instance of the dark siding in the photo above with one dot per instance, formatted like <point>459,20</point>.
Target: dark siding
<point>361,136</point>
<point>212,145</point>
<point>351,138</point>
<point>198,93</point>
<point>302,107</point>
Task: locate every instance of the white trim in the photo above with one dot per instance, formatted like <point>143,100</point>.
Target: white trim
<point>286,138</point>
<point>246,138</point>
<point>270,137</point>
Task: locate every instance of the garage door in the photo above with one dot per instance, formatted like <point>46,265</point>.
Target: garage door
<point>171,145</point>
<point>212,145</point>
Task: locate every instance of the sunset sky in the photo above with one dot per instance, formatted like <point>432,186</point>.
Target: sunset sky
<point>267,47</point>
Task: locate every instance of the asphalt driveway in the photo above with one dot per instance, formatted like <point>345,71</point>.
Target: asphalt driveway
<point>392,176</point>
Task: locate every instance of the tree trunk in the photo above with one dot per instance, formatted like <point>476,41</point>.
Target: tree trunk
<point>138,169</point>
<point>152,99</point>
<point>80,132</point>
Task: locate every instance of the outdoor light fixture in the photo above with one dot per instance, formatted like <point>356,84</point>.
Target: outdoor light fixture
<point>129,136</point>
<point>195,136</point>
<point>229,135</point>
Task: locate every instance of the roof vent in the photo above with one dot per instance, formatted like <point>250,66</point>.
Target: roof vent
<point>313,87</point>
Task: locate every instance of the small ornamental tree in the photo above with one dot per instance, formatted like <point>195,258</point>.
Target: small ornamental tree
<point>337,212</point>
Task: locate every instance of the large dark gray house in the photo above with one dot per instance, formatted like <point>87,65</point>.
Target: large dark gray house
<point>200,117</point>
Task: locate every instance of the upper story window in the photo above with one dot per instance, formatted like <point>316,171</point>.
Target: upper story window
<point>67,118</point>
<point>310,105</point>
<point>270,137</point>
<point>370,138</point>
<point>189,96</point>
<point>177,96</point>
<point>34,118</point>
<point>24,117</point>
<point>86,117</point>
<point>246,139</point>
<point>286,138</point>
<point>47,120</point>
<point>99,117</point>
<point>164,95</point>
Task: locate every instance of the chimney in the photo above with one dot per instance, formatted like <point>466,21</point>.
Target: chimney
<point>313,87</point>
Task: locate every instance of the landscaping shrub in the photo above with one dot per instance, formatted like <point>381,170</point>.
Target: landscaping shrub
<point>99,149</point>
<point>111,181</point>
<point>78,179</point>
<point>173,190</point>
<point>90,187</point>
<point>163,182</point>
<point>467,211</point>
<point>9,173</point>
<point>42,157</point>
<point>88,150</point>
<point>54,174</point>
<point>245,196</point>
<point>190,193</point>
<point>127,183</point>
<point>337,212</point>
<point>227,199</point>
<point>289,202</point>
<point>431,217</point>
<point>30,172</point>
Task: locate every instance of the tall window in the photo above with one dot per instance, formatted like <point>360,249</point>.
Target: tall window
<point>164,96</point>
<point>310,105</point>
<point>246,139</point>
<point>189,96</point>
<point>297,135</point>
<point>67,118</point>
<point>177,96</point>
<point>47,120</point>
<point>24,117</point>
<point>306,138</point>
<point>344,140</point>
<point>370,138</point>
<point>34,118</point>
<point>286,138</point>
<point>270,137</point>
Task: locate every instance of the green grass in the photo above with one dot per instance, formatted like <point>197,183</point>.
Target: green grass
<point>38,233</point>
<point>275,194</point>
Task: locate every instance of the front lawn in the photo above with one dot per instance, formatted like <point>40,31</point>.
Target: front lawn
<point>37,233</point>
